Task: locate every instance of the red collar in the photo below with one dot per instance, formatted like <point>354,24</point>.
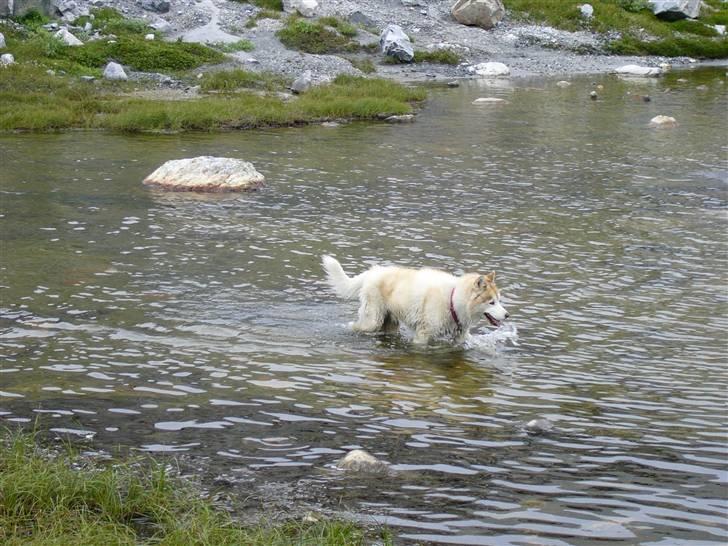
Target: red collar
<point>453,314</point>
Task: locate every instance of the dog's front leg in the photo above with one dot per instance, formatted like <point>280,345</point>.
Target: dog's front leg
<point>422,336</point>
<point>462,337</point>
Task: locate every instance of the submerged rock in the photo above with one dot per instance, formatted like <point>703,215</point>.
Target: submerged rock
<point>673,10</point>
<point>663,122</point>
<point>490,100</point>
<point>539,426</point>
<point>395,43</point>
<point>206,174</point>
<point>114,71</point>
<point>637,70</point>
<point>359,460</point>
<point>404,118</point>
<point>480,13</point>
<point>491,69</point>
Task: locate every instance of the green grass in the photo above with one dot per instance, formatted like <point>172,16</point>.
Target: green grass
<point>345,28</point>
<point>275,5</point>
<point>642,32</point>
<point>51,498</point>
<point>314,37</point>
<point>232,47</point>
<point>232,80</point>
<point>365,65</point>
<point>32,100</point>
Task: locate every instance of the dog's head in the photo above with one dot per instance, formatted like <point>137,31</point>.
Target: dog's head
<point>485,299</point>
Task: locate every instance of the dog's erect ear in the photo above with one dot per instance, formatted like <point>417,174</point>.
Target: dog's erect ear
<point>490,277</point>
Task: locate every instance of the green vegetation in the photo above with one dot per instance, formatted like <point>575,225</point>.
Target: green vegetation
<point>30,99</point>
<point>344,28</point>
<point>129,48</point>
<point>315,37</point>
<point>275,5</point>
<point>232,47</point>
<point>365,65</point>
<point>59,498</point>
<point>642,33</point>
<point>232,80</point>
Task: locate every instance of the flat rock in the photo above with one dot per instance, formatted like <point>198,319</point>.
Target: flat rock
<point>637,70</point>
<point>405,118</point>
<point>663,122</point>
<point>206,174</point>
<point>491,69</point>
<point>490,100</point>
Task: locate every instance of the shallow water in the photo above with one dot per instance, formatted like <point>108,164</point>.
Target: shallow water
<point>200,324</point>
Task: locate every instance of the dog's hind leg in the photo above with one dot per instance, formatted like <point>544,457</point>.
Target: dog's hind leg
<point>372,312</point>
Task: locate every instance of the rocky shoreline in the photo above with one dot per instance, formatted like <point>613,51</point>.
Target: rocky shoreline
<point>526,49</point>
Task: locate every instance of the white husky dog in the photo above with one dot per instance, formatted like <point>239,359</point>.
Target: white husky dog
<point>430,302</point>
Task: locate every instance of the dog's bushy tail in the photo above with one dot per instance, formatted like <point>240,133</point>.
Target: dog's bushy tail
<point>345,287</point>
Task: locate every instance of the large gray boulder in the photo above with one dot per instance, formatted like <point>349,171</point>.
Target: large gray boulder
<point>159,6</point>
<point>479,13</point>
<point>2,41</point>
<point>395,43</point>
<point>67,38</point>
<point>307,8</point>
<point>673,10</point>
<point>206,174</point>
<point>114,71</point>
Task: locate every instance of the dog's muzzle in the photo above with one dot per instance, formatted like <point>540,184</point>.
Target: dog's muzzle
<point>494,321</point>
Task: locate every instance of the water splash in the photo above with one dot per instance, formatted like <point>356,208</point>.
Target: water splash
<point>492,340</point>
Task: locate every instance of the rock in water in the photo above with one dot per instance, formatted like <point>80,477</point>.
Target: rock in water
<point>480,13</point>
<point>663,122</point>
<point>637,70</point>
<point>490,100</point>
<point>67,38</point>
<point>359,460</point>
<point>672,10</point>
<point>206,174</point>
<point>307,8</point>
<point>539,426</point>
<point>492,69</point>
<point>114,71</point>
<point>395,43</point>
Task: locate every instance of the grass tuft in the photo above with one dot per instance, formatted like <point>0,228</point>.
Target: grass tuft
<point>59,498</point>
<point>231,80</point>
<point>232,47</point>
<point>314,37</point>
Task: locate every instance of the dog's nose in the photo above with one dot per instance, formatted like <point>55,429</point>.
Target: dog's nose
<point>507,315</point>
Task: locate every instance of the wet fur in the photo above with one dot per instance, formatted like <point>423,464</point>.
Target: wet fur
<point>417,298</point>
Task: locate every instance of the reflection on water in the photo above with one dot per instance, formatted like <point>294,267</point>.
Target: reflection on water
<point>201,325</point>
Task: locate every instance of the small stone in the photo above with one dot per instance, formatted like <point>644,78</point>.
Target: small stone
<point>539,426</point>
<point>6,59</point>
<point>563,83</point>
<point>637,70</point>
<point>331,124</point>
<point>702,88</point>
<point>149,36</point>
<point>663,122</point>
<point>87,78</point>
<point>453,84</point>
<point>2,41</point>
<point>587,11</point>
<point>593,95</point>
